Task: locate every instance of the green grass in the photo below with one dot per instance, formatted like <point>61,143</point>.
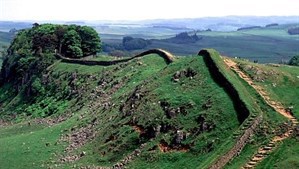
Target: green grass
<point>155,77</point>
<point>282,83</point>
<point>162,88</point>
<point>282,86</point>
<point>285,156</point>
<point>24,146</point>
<point>35,145</point>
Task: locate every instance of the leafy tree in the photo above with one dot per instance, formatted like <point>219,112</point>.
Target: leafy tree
<point>71,44</point>
<point>294,61</point>
<point>75,51</point>
<point>44,38</point>
<point>59,32</point>
<point>91,43</point>
<point>37,87</point>
<point>32,51</point>
<point>21,45</point>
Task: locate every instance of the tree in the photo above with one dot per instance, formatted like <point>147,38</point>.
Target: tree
<point>59,32</point>
<point>91,43</point>
<point>33,50</point>
<point>294,61</point>
<point>71,44</point>
<point>44,38</point>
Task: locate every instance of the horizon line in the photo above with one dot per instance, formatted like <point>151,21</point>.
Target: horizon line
<point>138,20</point>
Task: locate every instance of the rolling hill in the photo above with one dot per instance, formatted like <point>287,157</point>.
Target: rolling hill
<point>152,110</point>
<point>143,106</point>
<point>266,45</point>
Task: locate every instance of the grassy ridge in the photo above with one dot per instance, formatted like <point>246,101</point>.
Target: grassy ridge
<point>253,102</point>
<point>116,98</point>
<point>282,86</point>
<point>198,97</point>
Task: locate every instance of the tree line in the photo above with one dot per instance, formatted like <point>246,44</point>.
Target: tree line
<point>33,50</point>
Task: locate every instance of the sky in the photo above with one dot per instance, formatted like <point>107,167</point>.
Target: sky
<point>141,9</point>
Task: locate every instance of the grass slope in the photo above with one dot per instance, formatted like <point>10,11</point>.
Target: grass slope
<point>111,111</point>
<point>256,106</point>
<point>282,84</point>
<point>207,116</point>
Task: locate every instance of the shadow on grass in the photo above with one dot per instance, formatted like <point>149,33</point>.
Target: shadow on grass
<point>218,77</point>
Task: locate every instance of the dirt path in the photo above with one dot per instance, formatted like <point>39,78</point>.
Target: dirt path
<point>264,151</point>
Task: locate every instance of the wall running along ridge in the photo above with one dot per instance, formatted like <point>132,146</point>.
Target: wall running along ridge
<point>221,80</point>
<point>168,57</point>
<point>242,110</point>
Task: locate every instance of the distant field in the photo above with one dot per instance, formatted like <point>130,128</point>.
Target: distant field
<point>5,39</point>
<point>138,32</point>
<point>272,44</point>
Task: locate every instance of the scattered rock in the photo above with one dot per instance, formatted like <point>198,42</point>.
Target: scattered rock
<point>179,137</point>
<point>83,153</point>
<point>189,73</point>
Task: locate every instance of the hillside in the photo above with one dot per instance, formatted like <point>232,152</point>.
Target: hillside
<point>153,110</point>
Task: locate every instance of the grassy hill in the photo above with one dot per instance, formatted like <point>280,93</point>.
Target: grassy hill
<point>176,114</point>
<point>163,104</point>
<point>153,110</point>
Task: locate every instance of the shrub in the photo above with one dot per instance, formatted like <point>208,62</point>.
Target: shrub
<point>294,61</point>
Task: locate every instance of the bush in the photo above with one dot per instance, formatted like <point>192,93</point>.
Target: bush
<point>37,87</point>
<point>294,61</point>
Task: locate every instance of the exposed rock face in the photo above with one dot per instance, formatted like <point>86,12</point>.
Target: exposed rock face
<point>78,138</point>
<point>133,101</point>
<point>189,73</point>
<point>173,112</point>
<point>179,137</point>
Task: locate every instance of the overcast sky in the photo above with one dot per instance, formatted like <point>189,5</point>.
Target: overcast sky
<point>141,9</point>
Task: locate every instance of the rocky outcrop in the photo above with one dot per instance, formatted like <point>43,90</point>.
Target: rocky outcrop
<point>189,73</point>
